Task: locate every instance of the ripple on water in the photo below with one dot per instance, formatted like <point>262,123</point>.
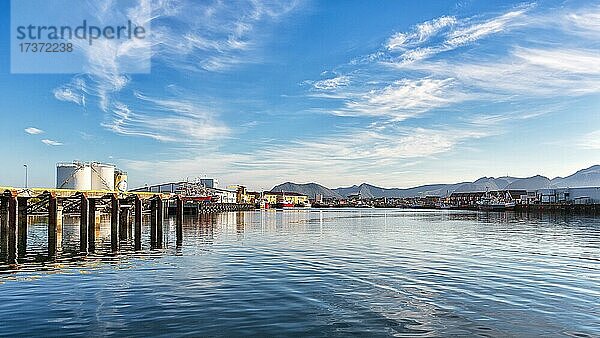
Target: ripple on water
<point>376,272</point>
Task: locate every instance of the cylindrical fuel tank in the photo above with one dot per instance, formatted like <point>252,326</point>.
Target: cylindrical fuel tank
<point>103,176</point>
<point>73,176</point>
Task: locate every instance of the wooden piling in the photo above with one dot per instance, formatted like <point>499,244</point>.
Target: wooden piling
<point>130,233</point>
<point>53,215</point>
<point>3,228</point>
<point>59,226</point>
<point>22,227</point>
<point>159,222</point>
<point>12,230</point>
<point>16,204</point>
<point>114,223</point>
<point>153,213</point>
<point>91,225</point>
<point>138,223</point>
<point>179,221</point>
<point>124,223</point>
<point>84,217</point>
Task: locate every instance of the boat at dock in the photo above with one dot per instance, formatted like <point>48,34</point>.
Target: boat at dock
<point>305,205</point>
<point>284,202</point>
<point>199,198</point>
<point>445,206</point>
<point>494,204</point>
<point>284,205</point>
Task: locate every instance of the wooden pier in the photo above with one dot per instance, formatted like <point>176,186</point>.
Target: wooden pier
<point>584,209</point>
<point>125,209</point>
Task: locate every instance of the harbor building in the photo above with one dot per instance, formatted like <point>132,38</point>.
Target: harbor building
<point>277,197</point>
<point>175,187</point>
<point>223,196</point>
<point>244,196</point>
<point>471,198</point>
<point>205,187</point>
<point>274,197</point>
<point>584,195</point>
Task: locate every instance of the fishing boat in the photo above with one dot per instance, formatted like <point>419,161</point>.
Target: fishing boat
<point>305,204</point>
<point>445,206</point>
<point>283,202</point>
<point>491,205</point>
<point>494,203</point>
<point>199,198</point>
<point>284,205</point>
<point>362,204</point>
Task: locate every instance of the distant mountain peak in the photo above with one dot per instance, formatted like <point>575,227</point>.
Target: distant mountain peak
<point>587,177</point>
<point>584,177</point>
<point>593,168</point>
<point>309,189</point>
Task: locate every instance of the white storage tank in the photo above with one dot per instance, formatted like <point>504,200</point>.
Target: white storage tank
<point>74,175</point>
<point>103,176</point>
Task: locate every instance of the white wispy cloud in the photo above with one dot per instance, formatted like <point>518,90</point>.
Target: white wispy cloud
<point>478,30</point>
<point>400,82</point>
<point>486,91</point>
<point>51,142</point>
<point>523,72</point>
<point>33,131</point>
<point>585,22</point>
<point>409,76</point>
<point>350,155</point>
<point>74,91</point>
<point>186,36</point>
<point>590,141</point>
<point>215,36</point>
<point>108,62</point>
<point>368,147</point>
<point>575,61</point>
<point>168,120</point>
<point>331,83</point>
<point>404,80</point>
<point>403,99</point>
<point>421,33</point>
<point>447,33</point>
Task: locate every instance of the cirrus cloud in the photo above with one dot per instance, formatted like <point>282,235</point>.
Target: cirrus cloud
<point>51,142</point>
<point>33,131</point>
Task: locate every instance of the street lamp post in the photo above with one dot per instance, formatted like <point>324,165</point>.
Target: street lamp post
<point>25,165</point>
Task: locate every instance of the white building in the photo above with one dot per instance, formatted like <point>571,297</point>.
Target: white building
<point>223,196</point>
<point>585,195</point>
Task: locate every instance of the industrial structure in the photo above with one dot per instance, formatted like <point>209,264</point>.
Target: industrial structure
<point>202,189</point>
<point>86,176</point>
<point>88,189</point>
<point>125,210</point>
<point>280,198</point>
<point>583,195</point>
<point>206,189</point>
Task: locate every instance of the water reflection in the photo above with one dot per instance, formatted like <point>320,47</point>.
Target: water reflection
<point>329,272</point>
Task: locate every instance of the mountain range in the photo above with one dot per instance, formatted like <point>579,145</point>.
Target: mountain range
<point>309,189</point>
<point>583,178</point>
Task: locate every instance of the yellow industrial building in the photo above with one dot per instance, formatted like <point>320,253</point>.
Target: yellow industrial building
<point>278,197</point>
<point>271,197</point>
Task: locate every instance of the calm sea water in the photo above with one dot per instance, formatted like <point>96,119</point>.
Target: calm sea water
<point>369,272</point>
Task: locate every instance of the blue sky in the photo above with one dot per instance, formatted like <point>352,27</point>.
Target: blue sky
<point>394,93</point>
